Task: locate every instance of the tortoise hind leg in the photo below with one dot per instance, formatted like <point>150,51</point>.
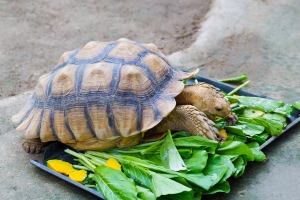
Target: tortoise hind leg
<point>186,118</point>
<point>33,145</point>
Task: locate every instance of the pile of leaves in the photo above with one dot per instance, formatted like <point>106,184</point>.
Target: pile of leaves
<point>186,167</point>
<point>178,167</point>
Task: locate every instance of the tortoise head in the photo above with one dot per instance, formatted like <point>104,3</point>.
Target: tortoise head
<point>206,98</point>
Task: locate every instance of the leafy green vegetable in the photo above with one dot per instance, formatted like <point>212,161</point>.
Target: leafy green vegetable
<point>285,110</point>
<point>235,148</point>
<point>197,162</point>
<point>113,184</point>
<point>296,105</point>
<point>235,79</point>
<point>169,155</point>
<point>240,164</point>
<point>251,113</point>
<point>262,104</point>
<point>220,187</point>
<point>195,142</point>
<point>272,127</point>
<point>245,129</point>
<point>258,154</point>
<point>139,174</point>
<point>215,169</point>
<point>161,185</point>
<point>145,194</point>
<point>185,152</point>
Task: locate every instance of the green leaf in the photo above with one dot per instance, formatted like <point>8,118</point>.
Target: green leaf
<point>231,168</point>
<point>114,184</point>
<point>296,105</point>
<point>251,113</point>
<point>235,148</point>
<point>262,104</point>
<point>215,169</point>
<point>259,156</point>
<point>220,123</point>
<point>139,174</point>
<point>164,186</point>
<point>235,79</point>
<point>272,127</point>
<point>170,157</point>
<point>234,137</point>
<point>186,195</point>
<point>145,194</point>
<point>197,162</point>
<point>185,152</point>
<point>198,179</point>
<point>195,142</point>
<point>245,129</point>
<point>276,117</point>
<point>260,138</point>
<point>220,187</point>
<point>285,110</point>
<point>240,165</point>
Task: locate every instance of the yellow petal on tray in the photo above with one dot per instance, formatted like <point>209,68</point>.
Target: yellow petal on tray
<point>60,166</point>
<point>78,175</point>
<point>113,163</point>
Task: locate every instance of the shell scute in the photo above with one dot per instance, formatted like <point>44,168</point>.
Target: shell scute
<point>125,51</point>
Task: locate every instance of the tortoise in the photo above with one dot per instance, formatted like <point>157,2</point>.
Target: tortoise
<point>117,94</point>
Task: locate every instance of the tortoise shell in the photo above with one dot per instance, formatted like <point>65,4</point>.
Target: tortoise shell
<point>104,91</point>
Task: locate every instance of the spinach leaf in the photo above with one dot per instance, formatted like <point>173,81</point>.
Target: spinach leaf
<point>235,137</point>
<point>170,157</point>
<point>220,187</point>
<point>139,174</point>
<point>266,105</point>
<point>114,184</point>
<point>195,142</point>
<point>215,169</point>
<point>273,127</point>
<point>164,186</point>
<point>145,194</point>
<point>296,105</point>
<point>259,156</point>
<point>235,148</point>
<point>251,113</point>
<point>197,162</point>
<point>245,129</point>
<point>231,168</point>
<point>285,110</point>
<point>276,117</point>
<point>186,195</point>
<point>198,179</point>
<point>185,152</point>
<point>240,165</point>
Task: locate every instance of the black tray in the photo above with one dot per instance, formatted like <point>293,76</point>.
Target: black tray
<point>55,150</point>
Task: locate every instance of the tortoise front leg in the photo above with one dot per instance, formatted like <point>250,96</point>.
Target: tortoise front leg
<point>33,145</point>
<point>186,118</point>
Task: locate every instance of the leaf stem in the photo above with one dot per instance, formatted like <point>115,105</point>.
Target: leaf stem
<point>238,88</point>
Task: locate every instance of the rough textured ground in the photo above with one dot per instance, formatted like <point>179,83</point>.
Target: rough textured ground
<point>34,34</point>
<point>260,38</point>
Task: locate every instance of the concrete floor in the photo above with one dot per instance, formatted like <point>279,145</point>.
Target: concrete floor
<point>259,38</point>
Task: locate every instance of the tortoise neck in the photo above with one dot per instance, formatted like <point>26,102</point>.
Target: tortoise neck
<point>188,96</point>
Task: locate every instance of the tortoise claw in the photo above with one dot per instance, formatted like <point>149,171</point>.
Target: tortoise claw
<point>33,145</point>
<point>231,119</point>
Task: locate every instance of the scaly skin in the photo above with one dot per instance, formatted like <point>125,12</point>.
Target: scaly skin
<point>185,118</point>
<point>196,105</point>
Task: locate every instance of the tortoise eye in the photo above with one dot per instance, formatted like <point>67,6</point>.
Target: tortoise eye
<point>218,108</point>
